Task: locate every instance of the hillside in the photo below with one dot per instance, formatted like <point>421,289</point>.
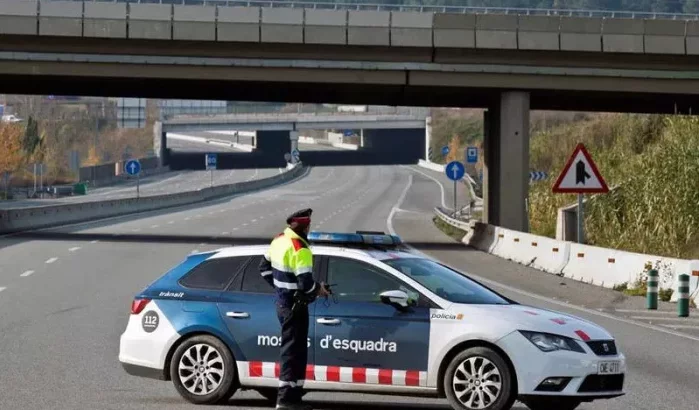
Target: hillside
<point>650,160</point>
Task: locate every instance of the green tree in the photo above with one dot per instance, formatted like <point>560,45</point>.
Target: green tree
<point>31,136</point>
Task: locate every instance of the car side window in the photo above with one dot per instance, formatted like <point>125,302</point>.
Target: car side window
<point>213,274</point>
<point>358,281</point>
<point>253,282</point>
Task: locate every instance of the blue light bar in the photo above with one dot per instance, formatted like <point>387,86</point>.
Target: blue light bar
<point>354,238</point>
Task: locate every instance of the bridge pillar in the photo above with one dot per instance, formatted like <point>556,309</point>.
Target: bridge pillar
<point>272,145</point>
<point>506,162</point>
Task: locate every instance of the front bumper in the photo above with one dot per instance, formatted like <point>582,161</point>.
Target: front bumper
<point>579,370</point>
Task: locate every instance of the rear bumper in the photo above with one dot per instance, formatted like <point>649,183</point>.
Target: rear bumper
<point>143,371</point>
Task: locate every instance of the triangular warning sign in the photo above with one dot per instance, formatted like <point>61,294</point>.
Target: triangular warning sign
<point>580,175</point>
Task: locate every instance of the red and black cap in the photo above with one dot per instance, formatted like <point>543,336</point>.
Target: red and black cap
<point>302,217</point>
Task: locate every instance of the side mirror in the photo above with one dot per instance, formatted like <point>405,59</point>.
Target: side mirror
<point>396,298</point>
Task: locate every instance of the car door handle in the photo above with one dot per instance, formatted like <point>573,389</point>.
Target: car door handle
<point>326,321</point>
<point>238,314</point>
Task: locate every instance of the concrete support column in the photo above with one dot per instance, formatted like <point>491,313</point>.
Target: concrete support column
<point>361,137</point>
<point>506,162</point>
<point>294,138</point>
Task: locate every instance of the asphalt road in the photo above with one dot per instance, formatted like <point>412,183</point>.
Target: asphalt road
<point>65,299</point>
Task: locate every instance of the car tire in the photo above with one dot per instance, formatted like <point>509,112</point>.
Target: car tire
<point>217,370</point>
<point>551,403</point>
<point>465,392</point>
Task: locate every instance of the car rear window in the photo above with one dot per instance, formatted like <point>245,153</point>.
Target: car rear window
<point>446,283</point>
<point>214,274</point>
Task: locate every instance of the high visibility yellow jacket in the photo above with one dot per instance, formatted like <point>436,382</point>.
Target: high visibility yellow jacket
<point>288,267</point>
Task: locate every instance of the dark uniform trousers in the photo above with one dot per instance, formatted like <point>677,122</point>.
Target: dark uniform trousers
<point>294,353</point>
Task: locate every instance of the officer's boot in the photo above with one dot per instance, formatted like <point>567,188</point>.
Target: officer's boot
<point>295,406</point>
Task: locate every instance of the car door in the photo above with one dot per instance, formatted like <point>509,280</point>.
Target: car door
<point>359,339</point>
<point>250,314</point>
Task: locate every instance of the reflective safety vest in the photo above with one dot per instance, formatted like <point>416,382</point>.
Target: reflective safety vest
<point>288,266</point>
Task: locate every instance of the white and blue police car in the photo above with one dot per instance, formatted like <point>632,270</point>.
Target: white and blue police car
<point>397,322</point>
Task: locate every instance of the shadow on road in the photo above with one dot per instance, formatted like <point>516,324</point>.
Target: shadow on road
<point>341,405</point>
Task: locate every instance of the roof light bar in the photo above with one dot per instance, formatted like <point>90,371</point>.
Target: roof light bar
<point>359,238</point>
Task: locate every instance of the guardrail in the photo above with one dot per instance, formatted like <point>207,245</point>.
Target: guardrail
<point>432,8</point>
<point>22,219</point>
<point>590,264</point>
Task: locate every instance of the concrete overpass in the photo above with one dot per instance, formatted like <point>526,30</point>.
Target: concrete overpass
<point>385,139</point>
<point>508,64</point>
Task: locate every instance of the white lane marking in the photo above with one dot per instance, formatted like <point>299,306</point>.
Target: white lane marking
<point>224,233</point>
<point>552,301</point>
<point>73,249</point>
<point>27,273</point>
<point>95,241</point>
<point>695,327</point>
<point>51,260</point>
<point>1,289</point>
<point>136,230</point>
<point>254,220</point>
<point>441,187</point>
<point>245,224</point>
<point>154,226</point>
<point>187,218</point>
<point>389,220</point>
<point>235,229</point>
<point>170,222</point>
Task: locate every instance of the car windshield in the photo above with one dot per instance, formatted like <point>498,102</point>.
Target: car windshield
<point>446,283</point>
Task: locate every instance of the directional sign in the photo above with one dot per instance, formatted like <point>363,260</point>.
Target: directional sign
<point>471,155</point>
<point>580,175</point>
<point>296,155</point>
<point>211,161</point>
<point>132,167</point>
<point>538,175</point>
<point>445,150</point>
<point>455,170</point>
<point>348,133</point>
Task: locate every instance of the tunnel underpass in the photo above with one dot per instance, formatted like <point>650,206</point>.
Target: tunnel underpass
<point>377,147</point>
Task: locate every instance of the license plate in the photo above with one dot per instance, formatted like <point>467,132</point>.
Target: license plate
<point>608,368</point>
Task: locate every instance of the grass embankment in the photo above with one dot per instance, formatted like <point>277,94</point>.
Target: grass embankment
<point>453,232</point>
<point>652,164</point>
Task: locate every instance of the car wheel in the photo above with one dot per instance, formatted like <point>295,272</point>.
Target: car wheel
<point>479,378</point>
<point>203,370</point>
<point>551,403</point>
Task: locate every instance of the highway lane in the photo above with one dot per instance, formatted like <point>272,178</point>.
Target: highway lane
<point>60,324</point>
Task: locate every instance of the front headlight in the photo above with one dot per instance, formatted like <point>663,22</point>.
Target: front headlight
<point>547,342</point>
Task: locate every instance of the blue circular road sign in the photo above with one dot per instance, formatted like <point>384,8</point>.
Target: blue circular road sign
<point>132,167</point>
<point>455,170</point>
<point>445,150</point>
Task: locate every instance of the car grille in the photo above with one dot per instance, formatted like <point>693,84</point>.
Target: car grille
<point>603,347</point>
<point>602,383</point>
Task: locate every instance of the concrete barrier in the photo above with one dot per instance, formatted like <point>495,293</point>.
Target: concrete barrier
<point>590,264</point>
<point>22,219</point>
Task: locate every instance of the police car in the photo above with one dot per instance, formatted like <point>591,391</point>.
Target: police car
<point>397,322</point>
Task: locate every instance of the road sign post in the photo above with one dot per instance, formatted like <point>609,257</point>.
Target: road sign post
<point>296,156</point>
<point>575,179</point>
<point>133,167</point>
<point>455,171</point>
<point>211,164</point>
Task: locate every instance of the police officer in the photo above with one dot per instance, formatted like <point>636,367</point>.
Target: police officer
<point>288,267</point>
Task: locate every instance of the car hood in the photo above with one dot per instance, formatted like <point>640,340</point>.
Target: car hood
<point>522,317</point>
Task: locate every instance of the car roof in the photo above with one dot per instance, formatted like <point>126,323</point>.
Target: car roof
<point>348,251</point>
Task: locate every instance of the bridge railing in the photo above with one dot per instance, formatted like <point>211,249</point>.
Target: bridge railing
<point>377,6</point>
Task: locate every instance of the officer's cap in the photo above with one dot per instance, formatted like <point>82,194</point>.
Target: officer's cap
<point>302,217</point>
